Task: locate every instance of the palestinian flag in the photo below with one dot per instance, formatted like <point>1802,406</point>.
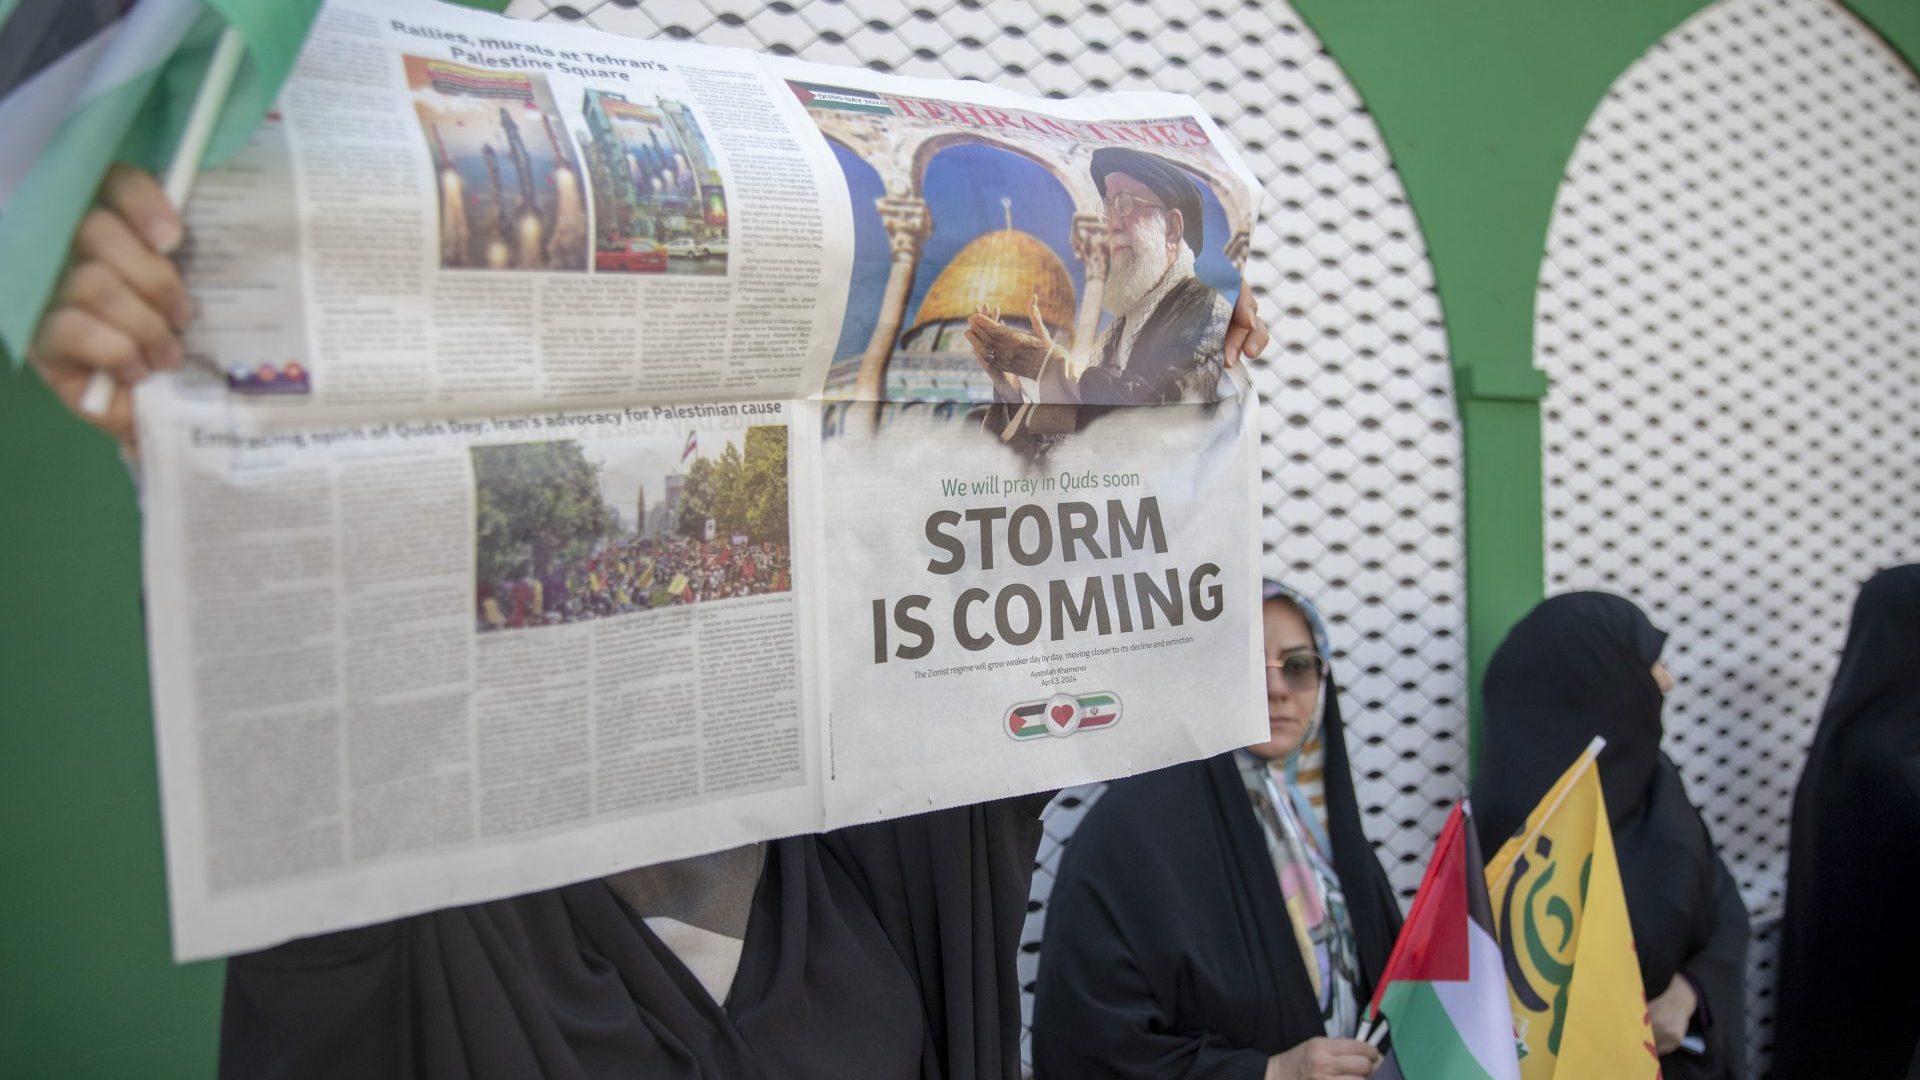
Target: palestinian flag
<point>1062,715</point>
<point>85,83</point>
<point>1444,990</point>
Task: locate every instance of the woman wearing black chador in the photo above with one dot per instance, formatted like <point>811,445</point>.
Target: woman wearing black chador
<point>1849,1004</point>
<point>1586,664</point>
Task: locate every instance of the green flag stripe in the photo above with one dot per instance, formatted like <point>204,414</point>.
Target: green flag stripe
<point>1428,1045</point>
<point>43,214</point>
<point>274,30</point>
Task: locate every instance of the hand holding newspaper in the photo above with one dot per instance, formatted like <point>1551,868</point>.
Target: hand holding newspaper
<point>626,450</point>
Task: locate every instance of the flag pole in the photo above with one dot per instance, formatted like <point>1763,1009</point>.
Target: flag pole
<point>1587,757</point>
<point>184,169</point>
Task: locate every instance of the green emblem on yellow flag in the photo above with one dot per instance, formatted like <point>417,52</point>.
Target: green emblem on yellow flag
<point>1561,916</point>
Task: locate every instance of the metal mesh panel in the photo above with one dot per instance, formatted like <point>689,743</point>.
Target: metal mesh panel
<point>1361,451</point>
<point>1727,314</point>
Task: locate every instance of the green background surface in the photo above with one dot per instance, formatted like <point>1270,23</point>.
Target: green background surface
<point>1480,105</point>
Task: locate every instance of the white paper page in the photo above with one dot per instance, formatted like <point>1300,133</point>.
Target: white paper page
<point>996,626</point>
<point>487,214</point>
<point>368,706</point>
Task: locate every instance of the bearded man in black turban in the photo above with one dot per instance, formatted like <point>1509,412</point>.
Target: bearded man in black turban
<point>1166,342</point>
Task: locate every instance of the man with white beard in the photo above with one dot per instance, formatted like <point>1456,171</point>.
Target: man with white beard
<point>1166,341</point>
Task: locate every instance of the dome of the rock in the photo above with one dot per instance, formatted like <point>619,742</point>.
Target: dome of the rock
<point>1002,269</point>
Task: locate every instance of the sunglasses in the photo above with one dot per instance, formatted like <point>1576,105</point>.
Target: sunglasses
<point>1301,670</point>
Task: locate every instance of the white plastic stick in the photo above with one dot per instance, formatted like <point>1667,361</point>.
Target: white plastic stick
<point>184,169</point>
<point>1376,1033</point>
<point>1586,759</point>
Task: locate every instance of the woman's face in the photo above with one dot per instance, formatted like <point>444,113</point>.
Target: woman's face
<point>1289,709</point>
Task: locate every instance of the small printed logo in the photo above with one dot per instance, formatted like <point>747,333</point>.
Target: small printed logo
<point>814,96</point>
<point>1063,714</point>
<point>287,378</point>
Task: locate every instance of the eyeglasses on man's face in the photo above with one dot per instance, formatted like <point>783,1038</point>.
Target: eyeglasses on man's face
<point>1301,671</point>
<point>1122,205</point>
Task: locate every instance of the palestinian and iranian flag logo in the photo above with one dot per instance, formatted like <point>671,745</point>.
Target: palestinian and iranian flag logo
<point>815,96</point>
<point>1063,714</point>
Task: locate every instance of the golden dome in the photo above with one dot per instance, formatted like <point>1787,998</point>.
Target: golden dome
<point>1002,269</point>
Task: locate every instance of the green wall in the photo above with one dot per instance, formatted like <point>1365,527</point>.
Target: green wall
<point>1480,104</point>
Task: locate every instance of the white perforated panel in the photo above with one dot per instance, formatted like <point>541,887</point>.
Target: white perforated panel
<point>1727,312</point>
<point>1361,453</point>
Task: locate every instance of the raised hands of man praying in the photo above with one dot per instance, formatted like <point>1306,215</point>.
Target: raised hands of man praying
<point>1008,354</point>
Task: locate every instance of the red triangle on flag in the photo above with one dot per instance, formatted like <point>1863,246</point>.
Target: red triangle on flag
<point>1433,944</point>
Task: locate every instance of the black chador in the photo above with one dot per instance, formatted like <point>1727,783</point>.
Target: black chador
<point>1581,665</point>
<point>882,951</point>
<point>1168,950</point>
<point>1848,999</point>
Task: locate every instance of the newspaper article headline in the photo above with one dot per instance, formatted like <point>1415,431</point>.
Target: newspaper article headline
<point>523,55</point>
<point>1031,534</point>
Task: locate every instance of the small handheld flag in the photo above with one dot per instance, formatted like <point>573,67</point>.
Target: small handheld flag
<point>1579,1010</point>
<point>119,90</point>
<point>184,169</point>
<point>1444,988</point>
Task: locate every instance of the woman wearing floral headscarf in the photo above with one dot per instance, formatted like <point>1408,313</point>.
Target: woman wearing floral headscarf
<point>1209,922</point>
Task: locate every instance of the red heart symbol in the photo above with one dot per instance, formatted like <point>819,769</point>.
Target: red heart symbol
<point>1061,714</point>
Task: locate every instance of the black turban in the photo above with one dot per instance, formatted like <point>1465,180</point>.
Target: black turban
<point>1173,185</point>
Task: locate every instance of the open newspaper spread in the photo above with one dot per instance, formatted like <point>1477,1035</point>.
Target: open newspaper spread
<point>602,451</point>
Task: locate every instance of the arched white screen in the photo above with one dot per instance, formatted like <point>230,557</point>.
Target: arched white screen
<point>1729,313</point>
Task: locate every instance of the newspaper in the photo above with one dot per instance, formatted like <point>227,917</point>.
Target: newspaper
<point>601,451</point>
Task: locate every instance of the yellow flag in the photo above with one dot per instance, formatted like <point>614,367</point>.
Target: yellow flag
<point>1579,1011</point>
<point>646,576</point>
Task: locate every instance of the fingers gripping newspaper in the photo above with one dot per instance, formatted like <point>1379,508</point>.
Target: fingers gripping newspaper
<point>602,451</point>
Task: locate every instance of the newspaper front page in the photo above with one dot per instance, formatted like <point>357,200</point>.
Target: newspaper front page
<point>600,452</point>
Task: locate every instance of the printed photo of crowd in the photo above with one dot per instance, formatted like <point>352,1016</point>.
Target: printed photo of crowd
<point>565,531</point>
